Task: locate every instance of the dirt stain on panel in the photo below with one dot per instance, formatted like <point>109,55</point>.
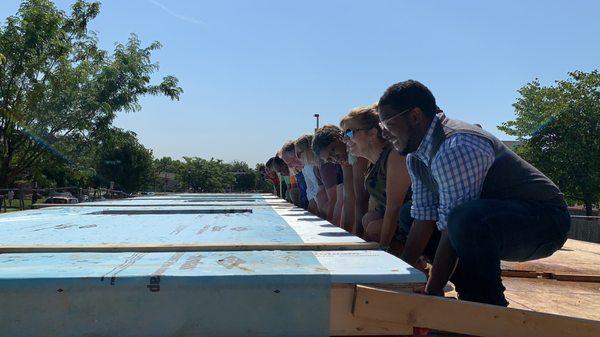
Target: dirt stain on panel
<point>178,229</point>
<point>88,226</point>
<point>130,261</point>
<point>233,262</point>
<point>203,229</point>
<point>239,229</point>
<point>171,261</point>
<point>218,228</point>
<point>192,262</point>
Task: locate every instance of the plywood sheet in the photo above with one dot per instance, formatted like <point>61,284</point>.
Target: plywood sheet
<point>575,299</point>
<point>576,257</point>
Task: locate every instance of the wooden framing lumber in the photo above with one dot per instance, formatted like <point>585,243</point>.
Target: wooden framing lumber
<point>201,247</point>
<point>465,317</point>
<point>343,323</point>
<point>551,275</point>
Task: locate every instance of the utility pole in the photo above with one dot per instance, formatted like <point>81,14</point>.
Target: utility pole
<point>317,117</point>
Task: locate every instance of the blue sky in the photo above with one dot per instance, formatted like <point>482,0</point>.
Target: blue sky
<point>255,72</point>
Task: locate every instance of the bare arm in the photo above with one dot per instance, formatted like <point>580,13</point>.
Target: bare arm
<point>339,204</point>
<point>419,235</point>
<point>443,266</point>
<point>331,201</point>
<point>361,196</point>
<point>349,199</point>
<point>397,185</point>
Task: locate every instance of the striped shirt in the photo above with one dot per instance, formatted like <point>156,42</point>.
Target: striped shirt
<point>459,168</point>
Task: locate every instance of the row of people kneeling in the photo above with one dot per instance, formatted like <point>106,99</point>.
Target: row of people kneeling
<point>428,188</point>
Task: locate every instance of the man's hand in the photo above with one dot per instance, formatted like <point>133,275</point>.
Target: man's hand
<point>443,266</point>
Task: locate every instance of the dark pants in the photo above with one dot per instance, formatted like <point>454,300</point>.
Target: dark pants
<point>485,231</point>
<point>302,187</point>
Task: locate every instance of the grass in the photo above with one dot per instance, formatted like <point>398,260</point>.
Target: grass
<point>16,205</point>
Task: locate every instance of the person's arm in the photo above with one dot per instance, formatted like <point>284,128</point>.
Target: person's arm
<point>349,199</point>
<point>417,240</point>
<point>397,185</point>
<point>322,202</point>
<point>459,168</point>
<point>443,266</point>
<point>339,204</point>
<point>331,201</point>
<point>424,211</point>
<point>361,196</point>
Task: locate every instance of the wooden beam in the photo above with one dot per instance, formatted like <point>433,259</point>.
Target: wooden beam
<point>465,317</point>
<point>201,247</point>
<point>559,276</point>
<point>343,323</point>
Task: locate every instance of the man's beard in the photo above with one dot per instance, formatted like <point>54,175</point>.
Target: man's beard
<point>401,145</point>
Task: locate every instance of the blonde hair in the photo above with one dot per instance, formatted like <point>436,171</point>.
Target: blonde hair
<point>304,143</point>
<point>367,117</point>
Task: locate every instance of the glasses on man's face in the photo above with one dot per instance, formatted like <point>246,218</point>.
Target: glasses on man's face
<point>385,123</point>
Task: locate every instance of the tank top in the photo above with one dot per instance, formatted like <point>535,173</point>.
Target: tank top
<point>376,178</point>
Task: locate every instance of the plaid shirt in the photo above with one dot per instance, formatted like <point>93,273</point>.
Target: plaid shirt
<point>459,168</point>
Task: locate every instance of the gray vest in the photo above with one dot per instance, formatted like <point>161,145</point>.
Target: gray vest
<point>509,177</point>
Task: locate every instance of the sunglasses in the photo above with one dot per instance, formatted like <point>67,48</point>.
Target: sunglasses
<point>384,123</point>
<point>350,132</point>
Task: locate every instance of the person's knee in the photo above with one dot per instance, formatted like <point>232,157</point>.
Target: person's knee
<point>465,225</point>
<point>365,222</point>
<point>372,231</point>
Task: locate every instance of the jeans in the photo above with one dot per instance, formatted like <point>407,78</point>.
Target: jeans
<point>302,187</point>
<point>485,231</point>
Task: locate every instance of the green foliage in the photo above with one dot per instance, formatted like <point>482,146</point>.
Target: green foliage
<point>168,165</point>
<point>203,175</point>
<point>212,175</point>
<point>126,162</point>
<point>59,91</point>
<point>245,177</point>
<point>559,127</point>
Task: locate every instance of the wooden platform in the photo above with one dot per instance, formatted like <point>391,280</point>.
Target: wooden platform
<point>553,284</point>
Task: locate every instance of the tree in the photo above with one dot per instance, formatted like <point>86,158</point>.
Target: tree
<point>166,170</point>
<point>123,160</point>
<point>559,127</point>
<point>245,177</point>
<point>203,175</point>
<point>167,164</point>
<point>58,88</point>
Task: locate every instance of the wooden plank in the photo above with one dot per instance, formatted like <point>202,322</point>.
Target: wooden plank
<point>577,277</point>
<point>210,247</point>
<point>575,299</point>
<point>465,317</point>
<point>555,276</point>
<point>575,257</point>
<point>343,323</point>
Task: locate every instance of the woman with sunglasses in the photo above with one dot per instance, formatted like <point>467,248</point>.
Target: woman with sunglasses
<point>328,144</point>
<point>387,179</point>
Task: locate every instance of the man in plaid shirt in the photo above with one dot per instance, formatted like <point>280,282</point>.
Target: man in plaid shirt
<point>475,202</point>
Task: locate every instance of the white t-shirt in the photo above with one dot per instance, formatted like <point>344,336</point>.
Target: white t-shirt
<point>312,184</point>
